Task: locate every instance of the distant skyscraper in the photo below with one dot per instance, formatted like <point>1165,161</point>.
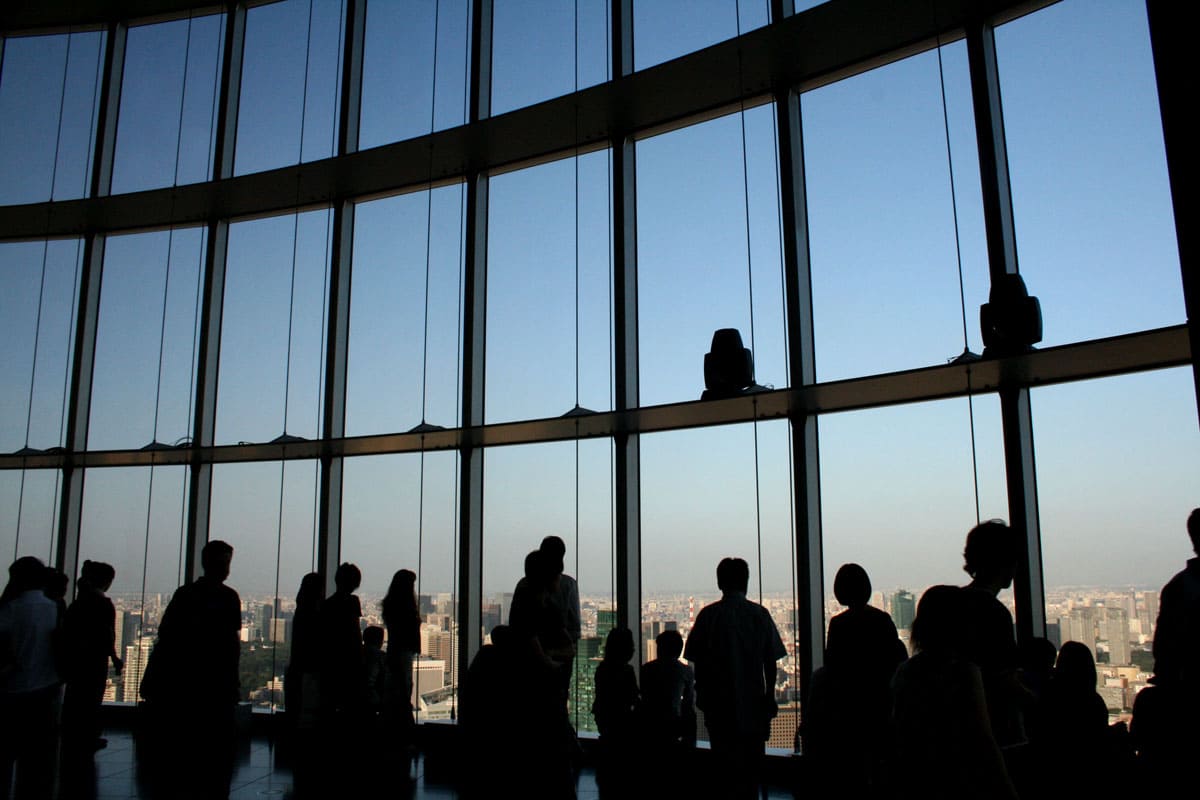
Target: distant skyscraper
<point>1054,634</point>
<point>266,615</point>
<point>281,632</point>
<point>904,608</point>
<point>136,656</point>
<point>1079,625</point>
<point>1115,630</point>
<point>131,628</point>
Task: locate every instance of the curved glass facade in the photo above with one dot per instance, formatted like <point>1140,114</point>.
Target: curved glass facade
<point>344,280</point>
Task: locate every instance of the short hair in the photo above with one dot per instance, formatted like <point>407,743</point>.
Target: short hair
<point>670,645</point>
<point>733,575</point>
<point>990,546</point>
<point>96,573</point>
<point>26,573</point>
<point>347,577</point>
<point>373,636</point>
<point>214,553</point>
<point>852,586</point>
<point>618,645</point>
<point>1193,529</point>
<point>938,625</point>
<point>554,546</point>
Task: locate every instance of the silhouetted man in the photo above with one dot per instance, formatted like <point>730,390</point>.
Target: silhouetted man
<point>192,677</point>
<point>1177,632</point>
<point>734,646</point>
<point>990,558</point>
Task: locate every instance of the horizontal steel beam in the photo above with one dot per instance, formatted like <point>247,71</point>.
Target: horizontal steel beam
<point>829,42</point>
<point>1156,349</point>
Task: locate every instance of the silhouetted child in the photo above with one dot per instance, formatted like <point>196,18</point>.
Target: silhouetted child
<point>1075,725</point>
<point>668,685</point>
<point>613,709</point>
<point>374,669</point>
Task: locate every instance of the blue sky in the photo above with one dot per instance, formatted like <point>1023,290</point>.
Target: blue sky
<point>1116,457</point>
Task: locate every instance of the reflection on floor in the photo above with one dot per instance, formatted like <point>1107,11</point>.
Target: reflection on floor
<point>258,775</point>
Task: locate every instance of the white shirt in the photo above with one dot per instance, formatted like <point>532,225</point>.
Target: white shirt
<point>27,624</point>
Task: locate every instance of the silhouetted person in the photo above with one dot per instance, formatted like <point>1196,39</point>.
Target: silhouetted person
<point>734,646</point>
<point>668,704</point>
<point>29,681</point>
<point>667,715</point>
<point>191,681</point>
<point>301,678</point>
<point>489,711</point>
<point>613,709</point>
<point>945,749</point>
<point>1164,714</point>
<point>1177,631</point>
<point>559,638</point>
<point>849,697</point>
<point>537,631</point>
<point>341,647</point>
<point>990,558</point>
<point>89,633</point>
<point>403,621</point>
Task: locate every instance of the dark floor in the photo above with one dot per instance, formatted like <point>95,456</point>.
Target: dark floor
<point>258,775</point>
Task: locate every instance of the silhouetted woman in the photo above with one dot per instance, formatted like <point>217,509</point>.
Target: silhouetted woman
<point>300,690</point>
<point>403,621</point>
<point>90,632</point>
<point>944,742</point>
<point>613,708</point>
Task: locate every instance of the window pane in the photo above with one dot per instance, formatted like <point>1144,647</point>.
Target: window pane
<point>1116,472</point>
<point>549,290</point>
<point>667,29</point>
<point>543,49</point>
<point>48,91</point>
<point>146,340</point>
<point>705,496</point>
<point>694,263</point>
<point>405,312</point>
<point>401,512</point>
<point>567,488</point>
<point>885,280</point>
<point>898,494</point>
<point>1091,199</point>
<point>39,284</point>
<point>134,519</point>
<point>29,505</point>
<point>399,73</point>
<point>268,512</point>
<point>168,103</point>
<point>273,328</point>
<point>291,68</point>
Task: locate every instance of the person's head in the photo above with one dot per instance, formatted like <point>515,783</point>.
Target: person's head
<point>216,559</point>
<point>733,575</point>
<point>540,570</point>
<point>1193,528</point>
<point>852,586</point>
<point>669,645</point>
<point>938,624</point>
<point>401,597</point>
<point>96,575</point>
<point>311,592</point>
<point>555,550</point>
<point>54,583</point>
<point>373,637</point>
<point>1037,655</point>
<point>500,636</point>
<point>991,553</point>
<point>347,577</point>
<point>404,582</point>
<point>24,574</point>
<point>619,645</point>
<point>1076,668</point>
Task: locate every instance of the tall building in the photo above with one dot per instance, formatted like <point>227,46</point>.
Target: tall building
<point>136,657</point>
<point>1114,629</point>
<point>1079,625</point>
<point>904,609</point>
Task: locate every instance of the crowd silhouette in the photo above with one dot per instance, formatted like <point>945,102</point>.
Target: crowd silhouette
<point>968,715</point>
